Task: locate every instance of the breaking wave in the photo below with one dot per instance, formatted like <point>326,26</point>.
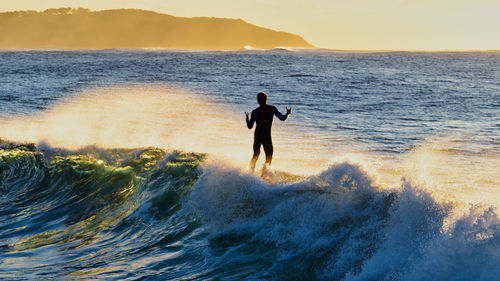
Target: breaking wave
<point>98,213</point>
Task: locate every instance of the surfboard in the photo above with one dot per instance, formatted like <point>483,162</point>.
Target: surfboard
<point>275,176</point>
<point>268,175</point>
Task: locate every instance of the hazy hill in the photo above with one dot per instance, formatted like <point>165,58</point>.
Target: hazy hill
<point>68,28</point>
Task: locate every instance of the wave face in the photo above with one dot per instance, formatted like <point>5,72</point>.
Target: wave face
<point>158,214</point>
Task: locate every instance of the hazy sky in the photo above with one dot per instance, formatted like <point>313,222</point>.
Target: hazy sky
<point>336,24</point>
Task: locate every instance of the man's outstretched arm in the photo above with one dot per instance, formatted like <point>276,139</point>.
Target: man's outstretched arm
<point>281,116</point>
<point>250,121</point>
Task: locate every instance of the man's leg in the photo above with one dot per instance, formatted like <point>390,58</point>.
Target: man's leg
<point>268,149</point>
<point>256,152</point>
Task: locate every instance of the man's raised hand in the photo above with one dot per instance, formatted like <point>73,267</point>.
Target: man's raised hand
<point>288,110</point>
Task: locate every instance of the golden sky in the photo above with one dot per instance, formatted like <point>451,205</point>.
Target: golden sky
<point>335,24</point>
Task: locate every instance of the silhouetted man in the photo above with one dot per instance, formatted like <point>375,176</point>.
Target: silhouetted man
<point>263,116</point>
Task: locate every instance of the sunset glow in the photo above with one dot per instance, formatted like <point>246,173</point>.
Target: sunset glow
<point>249,140</point>
<point>353,25</point>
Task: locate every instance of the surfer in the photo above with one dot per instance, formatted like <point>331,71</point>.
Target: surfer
<point>263,116</point>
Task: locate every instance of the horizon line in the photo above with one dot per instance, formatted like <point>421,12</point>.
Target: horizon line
<point>278,48</point>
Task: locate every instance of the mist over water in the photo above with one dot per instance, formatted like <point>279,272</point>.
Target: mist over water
<point>387,168</point>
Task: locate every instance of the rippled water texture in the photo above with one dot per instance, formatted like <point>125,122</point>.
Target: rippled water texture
<point>126,164</point>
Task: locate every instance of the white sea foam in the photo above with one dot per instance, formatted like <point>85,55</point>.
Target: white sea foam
<point>365,232</point>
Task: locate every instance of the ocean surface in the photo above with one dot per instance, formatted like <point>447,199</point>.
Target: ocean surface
<point>133,165</point>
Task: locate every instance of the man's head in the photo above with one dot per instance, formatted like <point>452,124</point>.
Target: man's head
<point>261,98</point>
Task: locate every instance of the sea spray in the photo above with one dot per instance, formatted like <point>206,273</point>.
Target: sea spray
<point>132,116</point>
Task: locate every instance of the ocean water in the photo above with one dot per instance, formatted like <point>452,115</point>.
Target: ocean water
<point>133,164</point>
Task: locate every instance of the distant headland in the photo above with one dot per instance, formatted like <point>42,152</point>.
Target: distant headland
<point>68,28</point>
